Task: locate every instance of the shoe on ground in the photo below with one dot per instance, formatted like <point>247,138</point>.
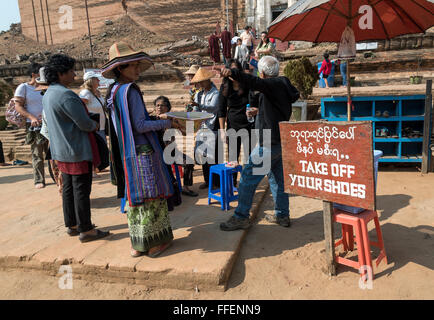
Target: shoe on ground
<point>284,222</point>
<point>89,237</point>
<point>136,254</point>
<point>235,223</point>
<point>74,232</point>
<point>203,186</point>
<point>190,193</point>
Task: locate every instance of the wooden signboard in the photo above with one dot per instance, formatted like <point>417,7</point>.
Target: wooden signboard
<point>331,161</point>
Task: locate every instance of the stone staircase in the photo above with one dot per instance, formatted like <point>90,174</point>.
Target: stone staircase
<point>13,145</point>
<point>182,19</point>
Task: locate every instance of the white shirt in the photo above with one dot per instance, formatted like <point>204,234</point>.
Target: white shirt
<point>247,38</point>
<point>33,99</point>
<point>241,53</point>
<point>94,106</point>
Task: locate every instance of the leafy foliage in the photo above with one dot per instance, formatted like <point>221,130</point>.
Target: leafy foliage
<point>303,75</point>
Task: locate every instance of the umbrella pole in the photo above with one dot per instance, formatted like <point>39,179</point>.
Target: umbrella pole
<point>349,102</point>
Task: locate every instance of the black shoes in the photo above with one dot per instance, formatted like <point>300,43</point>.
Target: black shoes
<point>99,235</point>
<point>284,222</point>
<point>234,224</point>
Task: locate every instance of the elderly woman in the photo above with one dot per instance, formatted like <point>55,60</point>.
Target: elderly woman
<point>91,96</point>
<point>137,156</point>
<point>72,144</point>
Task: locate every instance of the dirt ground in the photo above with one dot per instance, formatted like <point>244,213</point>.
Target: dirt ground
<point>280,263</point>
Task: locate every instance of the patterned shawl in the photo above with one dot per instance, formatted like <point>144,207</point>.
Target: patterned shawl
<point>119,111</point>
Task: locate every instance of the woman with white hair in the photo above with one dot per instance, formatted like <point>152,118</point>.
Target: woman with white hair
<point>91,96</point>
<point>275,105</point>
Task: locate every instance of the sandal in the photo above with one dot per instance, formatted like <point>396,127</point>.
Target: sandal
<point>99,235</point>
<point>159,250</point>
<point>135,253</point>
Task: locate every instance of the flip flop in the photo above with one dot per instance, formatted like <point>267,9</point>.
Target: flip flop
<point>99,235</point>
<point>160,250</point>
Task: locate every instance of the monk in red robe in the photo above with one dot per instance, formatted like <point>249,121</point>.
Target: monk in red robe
<point>214,47</point>
<point>226,38</point>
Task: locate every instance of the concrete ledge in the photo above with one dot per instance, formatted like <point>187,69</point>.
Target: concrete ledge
<point>201,256</point>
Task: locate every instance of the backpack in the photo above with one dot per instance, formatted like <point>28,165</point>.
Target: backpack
<point>13,116</point>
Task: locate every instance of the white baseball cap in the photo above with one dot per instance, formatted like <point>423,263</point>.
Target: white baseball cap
<point>91,74</point>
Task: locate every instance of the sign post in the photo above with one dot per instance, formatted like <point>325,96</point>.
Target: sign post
<point>329,161</point>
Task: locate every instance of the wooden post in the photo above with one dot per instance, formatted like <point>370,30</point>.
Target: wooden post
<point>426,152</point>
<point>328,235</point>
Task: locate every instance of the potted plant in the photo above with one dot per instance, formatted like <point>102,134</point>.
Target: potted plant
<point>304,76</point>
<point>417,79</point>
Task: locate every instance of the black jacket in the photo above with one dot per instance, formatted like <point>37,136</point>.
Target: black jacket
<point>275,101</point>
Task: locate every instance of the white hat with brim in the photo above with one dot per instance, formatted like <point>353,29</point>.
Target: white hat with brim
<point>121,53</point>
<point>91,74</point>
<point>42,80</point>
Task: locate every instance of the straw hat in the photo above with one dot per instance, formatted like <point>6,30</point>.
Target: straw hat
<point>42,80</point>
<point>193,69</point>
<point>202,75</point>
<point>121,53</point>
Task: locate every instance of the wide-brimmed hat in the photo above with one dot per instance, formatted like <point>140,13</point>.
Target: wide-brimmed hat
<point>42,80</point>
<point>121,53</point>
<point>202,75</point>
<point>193,69</point>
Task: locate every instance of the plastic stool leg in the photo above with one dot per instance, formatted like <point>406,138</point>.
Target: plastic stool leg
<point>380,242</point>
<point>366,247</point>
<point>209,186</point>
<point>123,202</point>
<point>223,190</point>
<point>344,237</point>
<point>360,248</point>
<point>350,239</point>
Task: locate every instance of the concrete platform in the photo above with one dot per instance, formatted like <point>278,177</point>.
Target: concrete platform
<point>33,236</point>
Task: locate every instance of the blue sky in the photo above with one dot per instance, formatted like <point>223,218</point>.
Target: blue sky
<point>9,13</point>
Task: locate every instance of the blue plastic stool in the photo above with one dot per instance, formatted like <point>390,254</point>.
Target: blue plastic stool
<point>226,189</point>
<point>230,196</point>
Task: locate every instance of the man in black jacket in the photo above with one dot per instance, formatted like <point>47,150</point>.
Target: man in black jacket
<point>275,105</point>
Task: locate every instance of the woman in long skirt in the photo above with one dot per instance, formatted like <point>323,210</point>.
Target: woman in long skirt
<point>137,168</point>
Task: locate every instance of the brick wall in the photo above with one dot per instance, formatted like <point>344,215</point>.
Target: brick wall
<point>30,10</point>
<point>176,18</point>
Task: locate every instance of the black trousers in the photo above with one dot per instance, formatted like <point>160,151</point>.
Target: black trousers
<point>76,200</point>
<point>239,144</point>
<point>188,175</point>
<point>2,156</point>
